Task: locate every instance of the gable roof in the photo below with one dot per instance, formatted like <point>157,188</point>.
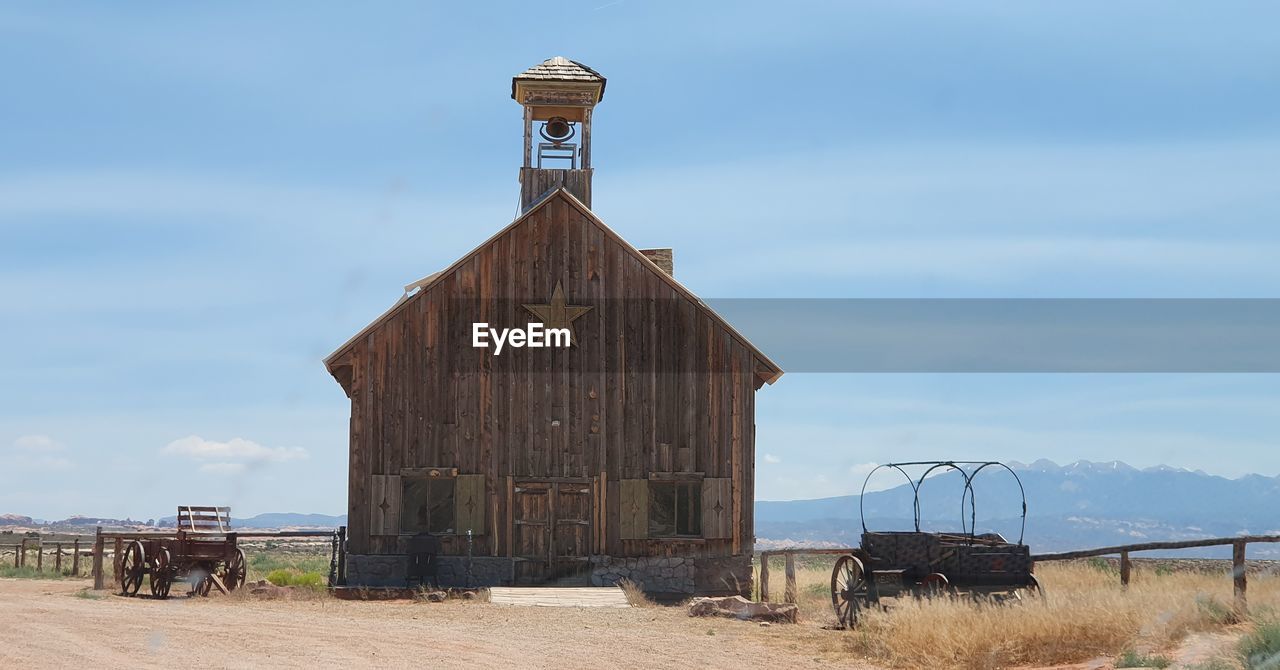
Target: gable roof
<point>420,287</point>
<point>559,68</point>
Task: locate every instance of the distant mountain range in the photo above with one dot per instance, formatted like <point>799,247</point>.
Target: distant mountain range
<point>269,520</point>
<point>277,520</point>
<point>1084,504</point>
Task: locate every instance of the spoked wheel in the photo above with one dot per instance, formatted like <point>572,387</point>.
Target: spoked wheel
<point>850,591</point>
<point>1034,589</point>
<point>936,585</point>
<point>161,580</point>
<point>199,579</point>
<point>234,574</point>
<point>132,567</point>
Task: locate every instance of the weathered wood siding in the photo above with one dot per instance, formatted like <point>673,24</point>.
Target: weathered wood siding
<point>654,384</point>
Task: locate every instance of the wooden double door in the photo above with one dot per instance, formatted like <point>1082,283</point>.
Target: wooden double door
<point>551,530</point>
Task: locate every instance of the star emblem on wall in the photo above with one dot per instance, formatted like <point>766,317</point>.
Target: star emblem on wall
<point>559,314</point>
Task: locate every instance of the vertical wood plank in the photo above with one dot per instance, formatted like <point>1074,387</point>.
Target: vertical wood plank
<point>790,594</point>
<point>511,523</point>
<point>718,500</point>
<point>468,495</point>
<point>1240,579</point>
<point>75,558</point>
<point>1126,568</point>
<point>633,517</point>
<point>377,496</point>
<point>98,548</point>
<point>764,577</point>
<point>117,559</point>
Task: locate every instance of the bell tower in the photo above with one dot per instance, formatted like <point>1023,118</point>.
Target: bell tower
<point>558,96</point>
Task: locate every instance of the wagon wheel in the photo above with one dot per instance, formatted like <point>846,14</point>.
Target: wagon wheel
<point>1034,589</point>
<point>132,567</point>
<point>161,579</point>
<point>203,586</point>
<point>199,579</point>
<point>234,573</point>
<point>936,585</point>
<point>850,591</point>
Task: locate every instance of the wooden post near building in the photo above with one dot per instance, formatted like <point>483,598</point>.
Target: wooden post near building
<point>790,596</point>
<point>1238,573</point>
<point>57,558</point>
<point>40,555</point>
<point>764,578</point>
<point>75,558</point>
<point>98,549</point>
<point>1126,568</point>
<point>116,559</point>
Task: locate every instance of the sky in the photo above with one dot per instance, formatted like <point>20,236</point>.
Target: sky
<point>198,202</point>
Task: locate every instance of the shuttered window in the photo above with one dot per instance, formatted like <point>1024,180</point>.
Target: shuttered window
<point>428,505</point>
<point>633,515</point>
<point>469,495</point>
<point>717,508</point>
<point>675,509</point>
<point>384,507</point>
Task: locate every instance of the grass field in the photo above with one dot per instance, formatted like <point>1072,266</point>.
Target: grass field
<point>1084,615</point>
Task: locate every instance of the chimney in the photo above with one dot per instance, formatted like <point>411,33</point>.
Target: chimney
<point>663,258</point>
<point>558,96</point>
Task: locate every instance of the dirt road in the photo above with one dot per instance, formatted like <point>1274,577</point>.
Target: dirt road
<point>44,624</point>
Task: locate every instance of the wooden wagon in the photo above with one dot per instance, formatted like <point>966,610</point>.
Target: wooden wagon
<point>922,564</point>
<point>203,555</point>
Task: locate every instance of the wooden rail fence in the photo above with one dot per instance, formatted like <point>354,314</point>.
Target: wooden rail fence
<point>789,595</point>
<point>1239,578</point>
<point>118,539</point>
<point>1237,544</point>
<point>27,545</point>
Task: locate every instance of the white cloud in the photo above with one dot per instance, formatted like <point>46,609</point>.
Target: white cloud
<point>39,452</point>
<point>40,443</point>
<point>770,458</point>
<point>224,457</point>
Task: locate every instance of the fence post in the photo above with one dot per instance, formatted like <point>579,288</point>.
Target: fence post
<point>98,549</point>
<point>1125,568</point>
<point>764,576</point>
<point>75,558</point>
<point>40,554</point>
<point>57,558</point>
<point>790,596</point>
<point>1241,582</point>
<point>117,558</point>
<point>17,556</point>
<point>342,554</point>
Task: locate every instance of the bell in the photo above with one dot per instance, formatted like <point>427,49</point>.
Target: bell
<point>557,129</point>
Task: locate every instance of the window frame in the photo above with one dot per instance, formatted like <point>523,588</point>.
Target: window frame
<point>691,482</point>
<point>429,475</point>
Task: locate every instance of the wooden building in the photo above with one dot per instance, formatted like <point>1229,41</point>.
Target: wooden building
<point>629,453</point>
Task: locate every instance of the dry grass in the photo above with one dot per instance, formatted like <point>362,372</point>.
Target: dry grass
<point>1085,615</point>
<point>635,596</point>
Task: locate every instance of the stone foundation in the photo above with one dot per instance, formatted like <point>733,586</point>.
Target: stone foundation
<point>391,570</point>
<point>485,571</point>
<point>676,574</point>
<point>730,575</point>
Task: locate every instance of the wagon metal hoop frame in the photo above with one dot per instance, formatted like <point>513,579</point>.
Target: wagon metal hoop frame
<point>969,526</point>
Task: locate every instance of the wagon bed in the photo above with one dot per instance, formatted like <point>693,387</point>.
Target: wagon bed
<point>923,564</point>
